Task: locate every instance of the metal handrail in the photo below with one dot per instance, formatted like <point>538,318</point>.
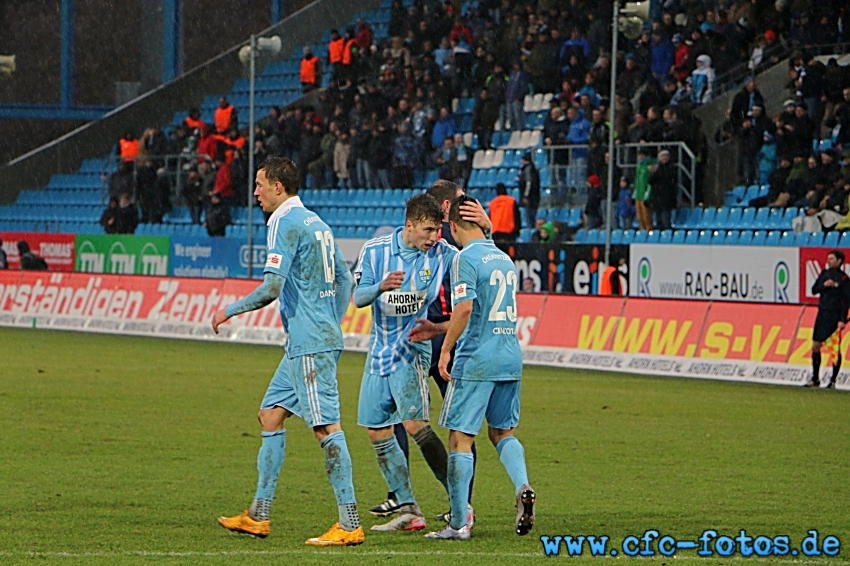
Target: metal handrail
<point>177,165</point>
<point>572,178</point>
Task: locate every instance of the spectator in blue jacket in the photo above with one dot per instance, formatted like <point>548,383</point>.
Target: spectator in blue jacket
<point>577,134</point>
<point>663,55</point>
<point>515,95</point>
<point>575,44</point>
<point>444,128</point>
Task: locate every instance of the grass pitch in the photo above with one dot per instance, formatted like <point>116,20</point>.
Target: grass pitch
<point>120,450</point>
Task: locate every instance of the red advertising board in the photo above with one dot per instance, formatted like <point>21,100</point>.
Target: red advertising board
<point>812,262</point>
<point>56,249</point>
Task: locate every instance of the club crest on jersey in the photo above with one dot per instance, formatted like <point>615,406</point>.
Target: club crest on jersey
<point>425,275</point>
<point>273,260</point>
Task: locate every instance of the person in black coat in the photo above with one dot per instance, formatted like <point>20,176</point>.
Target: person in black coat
<point>664,185</point>
<point>529,188</point>
<point>30,261</point>
<point>833,286</point>
<point>743,103</point>
<point>218,216</point>
<point>484,118</point>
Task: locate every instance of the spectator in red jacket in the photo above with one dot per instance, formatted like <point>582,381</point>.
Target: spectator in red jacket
<point>364,35</point>
<point>461,30</point>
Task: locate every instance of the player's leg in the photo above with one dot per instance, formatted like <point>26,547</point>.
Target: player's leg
<point>816,360</point>
<point>317,392</point>
<point>462,413</point>
<point>502,419</point>
<point>377,412</point>
<point>279,402</point>
<point>836,367</point>
<point>409,386</point>
<point>390,505</point>
<point>443,386</point>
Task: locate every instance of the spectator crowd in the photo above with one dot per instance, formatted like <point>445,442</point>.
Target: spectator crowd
<point>388,110</point>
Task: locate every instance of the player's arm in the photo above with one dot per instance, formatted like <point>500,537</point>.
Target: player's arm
<point>263,295</point>
<point>474,212</point>
<point>368,290</point>
<point>458,323</point>
<point>818,286</point>
<point>343,281</point>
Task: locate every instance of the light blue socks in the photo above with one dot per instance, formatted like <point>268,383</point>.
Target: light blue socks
<point>512,455</point>
<point>461,468</point>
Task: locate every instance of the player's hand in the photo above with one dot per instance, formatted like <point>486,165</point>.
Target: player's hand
<point>392,281</point>
<point>445,358</point>
<point>219,318</point>
<point>474,212</point>
<point>829,283</point>
<point>424,330</point>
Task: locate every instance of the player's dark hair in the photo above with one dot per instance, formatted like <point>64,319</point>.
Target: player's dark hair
<point>839,255</point>
<point>283,170</point>
<point>422,208</point>
<point>443,190</point>
<point>454,212</point>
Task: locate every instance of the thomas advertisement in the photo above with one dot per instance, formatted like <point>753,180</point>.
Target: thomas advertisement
<point>57,250</point>
<point>754,274</point>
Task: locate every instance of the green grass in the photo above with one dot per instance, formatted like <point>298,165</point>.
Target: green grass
<point>120,450</point>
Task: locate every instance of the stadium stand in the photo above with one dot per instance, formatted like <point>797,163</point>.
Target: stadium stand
<point>418,73</point>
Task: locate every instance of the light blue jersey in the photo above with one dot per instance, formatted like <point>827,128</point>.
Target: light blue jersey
<point>488,350</point>
<point>394,313</point>
<point>301,249</point>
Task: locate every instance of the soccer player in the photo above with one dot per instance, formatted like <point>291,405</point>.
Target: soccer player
<point>438,312</point>
<point>306,270</point>
<point>399,275</point>
<point>485,378</point>
<point>833,286</point>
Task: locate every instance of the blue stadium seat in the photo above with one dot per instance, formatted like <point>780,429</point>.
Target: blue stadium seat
<point>748,218</point>
<point>628,236</point>
<point>745,238</point>
<point>816,239</point>
<point>732,237</point>
<point>762,216</point>
<point>541,159</point>
<point>691,237</point>
<point>775,219</point>
<point>752,192</point>
<point>678,237</point>
<point>704,237</point>
<point>654,236</point>
<point>718,238</point>
<point>773,237</point>
<point>616,237</point>
<point>707,220</point>
<point>594,237</point>
<point>831,239</point>
<point>733,221</point>
<point>791,239</point>
<point>694,218</point>
<point>580,237</point>
<point>721,219</point>
<point>640,237</point>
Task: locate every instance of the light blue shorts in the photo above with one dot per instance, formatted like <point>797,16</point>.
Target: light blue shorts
<point>467,403</point>
<point>306,386</point>
<point>401,396</point>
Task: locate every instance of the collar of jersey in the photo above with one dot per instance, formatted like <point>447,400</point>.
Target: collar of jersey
<point>288,205</point>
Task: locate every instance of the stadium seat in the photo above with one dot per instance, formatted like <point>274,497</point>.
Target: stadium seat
<point>761,219</point>
<point>844,240</point>
<point>791,239</point>
<point>707,219</point>
<point>581,236</point>
<point>732,237</point>
<point>691,237</point>
<point>734,219</point>
<point>748,218</point>
<point>616,237</point>
<point>718,238</point>
<point>816,239</point>
<point>654,236</point>
<point>704,237</point>
<point>593,236</point>
<point>772,238</point>
<point>640,237</point>
<point>831,239</point>
<point>775,218</point>
<point>745,238</point>
<point>678,237</point>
